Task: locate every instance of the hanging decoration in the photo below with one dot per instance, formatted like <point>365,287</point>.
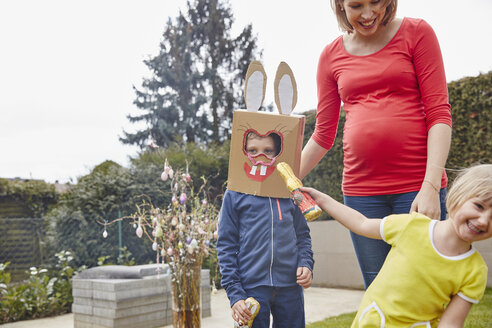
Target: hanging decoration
<point>182,234</point>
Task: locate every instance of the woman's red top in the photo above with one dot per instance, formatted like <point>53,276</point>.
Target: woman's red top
<point>392,98</point>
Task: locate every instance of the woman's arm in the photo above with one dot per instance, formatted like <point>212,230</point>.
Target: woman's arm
<point>438,143</point>
<point>455,313</point>
<point>348,217</point>
<point>429,70</point>
<point>310,157</point>
<point>327,113</point>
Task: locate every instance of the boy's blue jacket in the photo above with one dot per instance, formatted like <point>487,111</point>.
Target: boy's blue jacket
<point>261,242</point>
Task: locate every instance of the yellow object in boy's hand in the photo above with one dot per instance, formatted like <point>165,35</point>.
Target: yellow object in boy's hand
<point>302,199</point>
<point>254,308</point>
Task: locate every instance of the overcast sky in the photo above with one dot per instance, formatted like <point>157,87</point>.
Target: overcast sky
<point>67,67</point>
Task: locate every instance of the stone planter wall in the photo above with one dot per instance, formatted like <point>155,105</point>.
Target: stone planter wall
<point>128,297</point>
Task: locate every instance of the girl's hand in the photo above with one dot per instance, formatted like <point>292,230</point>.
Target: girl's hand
<point>304,277</point>
<point>240,312</point>
<point>315,194</point>
<point>427,202</point>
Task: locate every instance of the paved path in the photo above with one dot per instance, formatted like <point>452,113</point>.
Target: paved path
<point>320,303</point>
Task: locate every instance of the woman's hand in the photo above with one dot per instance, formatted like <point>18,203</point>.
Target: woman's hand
<point>304,277</point>
<point>427,201</point>
<point>240,312</point>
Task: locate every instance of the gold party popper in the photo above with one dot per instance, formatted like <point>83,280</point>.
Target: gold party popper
<point>254,308</point>
<point>302,199</point>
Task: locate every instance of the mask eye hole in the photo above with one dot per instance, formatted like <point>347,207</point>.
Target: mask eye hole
<point>252,134</point>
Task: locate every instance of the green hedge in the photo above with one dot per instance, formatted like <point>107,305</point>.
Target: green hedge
<point>20,244</point>
<point>26,198</point>
<point>22,204</point>
<point>471,106</point>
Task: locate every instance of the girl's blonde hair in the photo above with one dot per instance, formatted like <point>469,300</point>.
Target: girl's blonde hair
<point>343,22</point>
<point>473,182</point>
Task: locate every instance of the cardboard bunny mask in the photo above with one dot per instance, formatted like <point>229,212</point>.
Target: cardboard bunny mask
<point>256,174</point>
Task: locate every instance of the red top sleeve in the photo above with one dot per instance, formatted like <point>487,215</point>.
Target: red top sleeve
<point>328,102</point>
<point>429,69</point>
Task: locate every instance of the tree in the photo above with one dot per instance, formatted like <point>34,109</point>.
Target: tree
<point>197,78</point>
<point>100,196</point>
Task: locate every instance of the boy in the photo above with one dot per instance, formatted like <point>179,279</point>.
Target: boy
<point>264,248</point>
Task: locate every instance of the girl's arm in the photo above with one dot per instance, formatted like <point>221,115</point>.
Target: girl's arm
<point>455,313</point>
<point>348,217</point>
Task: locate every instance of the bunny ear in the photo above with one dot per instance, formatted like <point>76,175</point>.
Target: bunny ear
<point>285,89</point>
<point>254,86</point>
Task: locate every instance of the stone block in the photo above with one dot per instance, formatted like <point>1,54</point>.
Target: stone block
<point>160,318</point>
<point>131,311</point>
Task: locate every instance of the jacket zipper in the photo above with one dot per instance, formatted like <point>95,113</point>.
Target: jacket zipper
<point>271,260</point>
<point>279,211</point>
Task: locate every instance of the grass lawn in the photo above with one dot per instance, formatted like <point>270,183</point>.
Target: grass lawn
<point>480,316</point>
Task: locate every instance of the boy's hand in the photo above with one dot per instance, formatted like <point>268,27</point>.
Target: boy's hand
<point>240,312</point>
<point>304,277</point>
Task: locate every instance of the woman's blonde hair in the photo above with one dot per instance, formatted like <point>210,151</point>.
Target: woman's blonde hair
<point>343,22</point>
<point>473,182</point>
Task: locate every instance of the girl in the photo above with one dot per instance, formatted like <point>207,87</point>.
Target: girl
<point>432,274</point>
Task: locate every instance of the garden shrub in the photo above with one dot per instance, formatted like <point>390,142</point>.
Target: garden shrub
<point>44,293</point>
<point>101,196</point>
<point>211,162</point>
<point>471,107</point>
